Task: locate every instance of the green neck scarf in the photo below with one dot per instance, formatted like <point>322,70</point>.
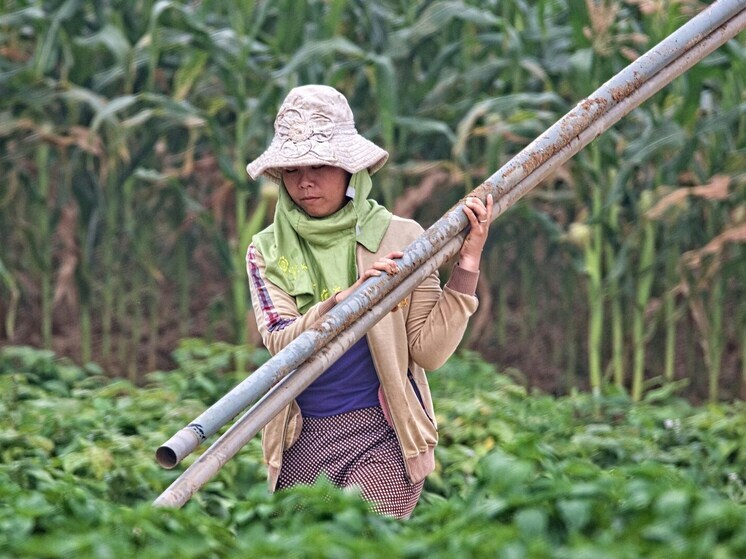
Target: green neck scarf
<point>313,258</point>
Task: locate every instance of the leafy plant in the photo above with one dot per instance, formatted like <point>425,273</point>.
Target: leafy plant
<point>518,474</point>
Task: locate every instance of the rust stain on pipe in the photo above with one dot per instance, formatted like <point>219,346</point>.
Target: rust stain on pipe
<point>622,92</point>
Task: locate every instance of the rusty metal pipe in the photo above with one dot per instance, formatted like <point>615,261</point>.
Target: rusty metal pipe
<point>209,464</point>
<point>703,34</point>
<point>284,392</point>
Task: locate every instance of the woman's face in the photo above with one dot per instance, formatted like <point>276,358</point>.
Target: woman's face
<point>318,190</point>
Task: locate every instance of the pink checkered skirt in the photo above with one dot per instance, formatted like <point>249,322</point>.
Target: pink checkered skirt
<point>357,448</point>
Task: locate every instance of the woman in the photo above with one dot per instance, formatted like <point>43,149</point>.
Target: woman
<point>367,421</point>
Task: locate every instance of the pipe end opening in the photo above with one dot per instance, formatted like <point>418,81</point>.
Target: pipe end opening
<point>166,457</point>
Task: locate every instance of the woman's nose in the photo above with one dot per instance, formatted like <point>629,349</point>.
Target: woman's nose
<point>304,180</point>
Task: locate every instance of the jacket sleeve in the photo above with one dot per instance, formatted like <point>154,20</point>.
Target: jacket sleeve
<point>437,322</point>
<point>277,316</point>
<point>434,319</point>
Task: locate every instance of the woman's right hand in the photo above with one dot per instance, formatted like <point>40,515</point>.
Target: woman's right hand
<point>385,264</point>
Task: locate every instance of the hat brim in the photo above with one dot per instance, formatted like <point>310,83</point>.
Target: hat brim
<point>351,152</point>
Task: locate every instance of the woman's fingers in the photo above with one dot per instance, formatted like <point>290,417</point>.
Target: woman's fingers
<point>477,211</point>
<point>486,215</point>
<point>386,265</point>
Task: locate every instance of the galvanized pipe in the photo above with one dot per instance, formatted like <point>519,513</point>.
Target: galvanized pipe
<point>671,57</point>
<point>209,464</point>
<point>285,391</point>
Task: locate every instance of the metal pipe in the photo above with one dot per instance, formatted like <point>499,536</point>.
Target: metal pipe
<point>284,392</point>
<point>208,465</point>
<point>671,57</point>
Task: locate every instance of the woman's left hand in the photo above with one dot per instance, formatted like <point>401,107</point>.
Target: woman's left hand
<point>384,264</point>
<point>480,217</point>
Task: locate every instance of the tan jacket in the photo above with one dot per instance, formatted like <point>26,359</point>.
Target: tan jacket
<point>421,335</point>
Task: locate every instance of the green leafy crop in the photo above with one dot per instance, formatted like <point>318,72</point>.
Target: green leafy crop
<point>519,474</point>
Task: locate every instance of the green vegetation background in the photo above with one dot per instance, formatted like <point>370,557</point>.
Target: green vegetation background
<point>518,475</point>
<point>125,212</point>
<point>125,209</point>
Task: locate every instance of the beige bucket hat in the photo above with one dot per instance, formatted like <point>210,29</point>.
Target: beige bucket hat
<point>315,126</point>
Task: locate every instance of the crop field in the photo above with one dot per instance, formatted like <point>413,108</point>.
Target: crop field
<point>126,210</point>
<point>519,475</point>
<point>611,298</point>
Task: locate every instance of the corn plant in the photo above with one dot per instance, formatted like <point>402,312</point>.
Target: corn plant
<point>141,116</point>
